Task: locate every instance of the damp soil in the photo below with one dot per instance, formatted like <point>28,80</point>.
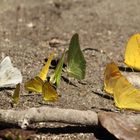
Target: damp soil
<point>31,30</point>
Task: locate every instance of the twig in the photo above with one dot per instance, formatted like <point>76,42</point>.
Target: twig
<point>26,117</point>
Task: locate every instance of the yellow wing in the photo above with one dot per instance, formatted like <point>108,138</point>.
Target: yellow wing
<point>132,52</point>
<point>43,73</point>
<point>111,75</point>
<point>16,94</point>
<point>34,85</point>
<point>49,92</point>
<point>126,95</point>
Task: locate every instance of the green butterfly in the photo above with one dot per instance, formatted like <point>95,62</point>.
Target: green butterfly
<point>76,64</point>
<point>56,77</point>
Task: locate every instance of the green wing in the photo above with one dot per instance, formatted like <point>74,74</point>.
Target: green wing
<point>56,77</point>
<point>76,62</point>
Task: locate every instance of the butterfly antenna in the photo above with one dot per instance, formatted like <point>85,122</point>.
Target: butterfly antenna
<point>100,51</point>
<point>132,69</point>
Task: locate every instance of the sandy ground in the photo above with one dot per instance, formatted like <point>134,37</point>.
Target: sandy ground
<point>27,27</point>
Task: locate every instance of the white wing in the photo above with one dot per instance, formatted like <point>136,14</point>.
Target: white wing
<point>9,75</point>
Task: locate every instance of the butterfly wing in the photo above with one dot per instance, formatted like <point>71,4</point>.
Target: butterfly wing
<point>56,77</point>
<point>16,94</point>
<point>49,92</point>
<point>132,52</point>
<point>5,63</point>
<point>126,95</point>
<point>34,85</point>
<point>9,75</point>
<point>76,62</point>
<point>43,73</point>
<point>111,75</point>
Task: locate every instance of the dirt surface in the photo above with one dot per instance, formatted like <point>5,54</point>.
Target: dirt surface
<point>27,27</point>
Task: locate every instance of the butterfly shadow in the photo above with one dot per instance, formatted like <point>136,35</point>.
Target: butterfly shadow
<point>54,63</point>
<point>103,95</point>
<point>6,88</point>
<point>68,81</point>
<point>127,69</point>
<point>90,49</point>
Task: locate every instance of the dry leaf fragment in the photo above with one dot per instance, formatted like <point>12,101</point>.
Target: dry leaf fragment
<point>124,127</point>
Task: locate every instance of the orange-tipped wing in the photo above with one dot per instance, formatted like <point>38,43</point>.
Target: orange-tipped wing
<point>111,75</point>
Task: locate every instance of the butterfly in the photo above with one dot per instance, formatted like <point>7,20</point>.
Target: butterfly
<point>132,52</point>
<point>40,85</point>
<point>76,64</point>
<point>56,77</point>
<point>9,75</point>
<point>124,93</point>
<point>36,83</point>
<point>54,80</point>
<point>49,92</point>
<point>16,94</point>
<point>111,74</point>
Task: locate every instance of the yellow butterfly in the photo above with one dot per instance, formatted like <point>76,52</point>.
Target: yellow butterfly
<point>16,94</point>
<point>35,84</point>
<point>49,92</point>
<point>132,52</point>
<point>125,94</point>
<point>111,74</point>
<point>40,85</point>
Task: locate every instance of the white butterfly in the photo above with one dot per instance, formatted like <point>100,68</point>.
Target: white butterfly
<point>9,75</point>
